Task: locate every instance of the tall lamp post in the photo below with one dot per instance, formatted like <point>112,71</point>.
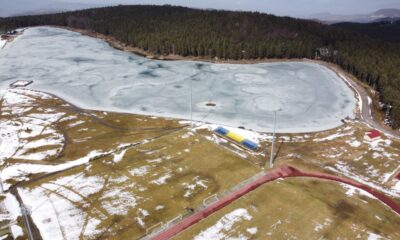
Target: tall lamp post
<point>271,159</point>
<point>191,104</point>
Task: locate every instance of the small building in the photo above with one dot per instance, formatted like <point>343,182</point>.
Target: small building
<point>20,83</point>
<point>373,134</point>
<point>237,138</point>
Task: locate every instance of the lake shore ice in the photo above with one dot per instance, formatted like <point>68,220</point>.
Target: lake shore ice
<point>89,73</point>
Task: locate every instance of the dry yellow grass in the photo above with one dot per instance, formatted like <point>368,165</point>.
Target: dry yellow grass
<point>301,209</point>
<point>166,169</point>
<point>165,172</point>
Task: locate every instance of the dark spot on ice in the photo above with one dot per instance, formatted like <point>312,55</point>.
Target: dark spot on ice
<point>177,86</point>
<point>211,104</point>
<point>157,66</point>
<point>148,73</point>
<point>81,60</point>
<point>199,66</point>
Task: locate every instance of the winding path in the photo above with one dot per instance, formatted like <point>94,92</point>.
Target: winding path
<point>284,171</point>
<point>365,106</point>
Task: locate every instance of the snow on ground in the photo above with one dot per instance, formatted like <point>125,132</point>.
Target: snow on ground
<point>354,143</point>
<point>119,156</point>
<point>223,229</point>
<point>342,168</point>
<point>196,183</point>
<point>56,216</point>
<point>245,94</point>
<point>159,207</point>
<point>38,156</point>
<point>140,171</point>
<point>9,141</point>
<point>9,208</point>
<point>119,201</point>
<point>319,226</point>
<point>396,187</point>
<point>333,136</point>
<point>15,130</point>
<point>19,171</point>
<point>252,230</point>
<point>374,236</point>
<point>17,231</point>
<point>351,191</point>
<point>162,179</point>
<point>63,208</point>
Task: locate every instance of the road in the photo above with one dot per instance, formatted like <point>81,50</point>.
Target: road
<point>366,111</point>
<point>365,108</point>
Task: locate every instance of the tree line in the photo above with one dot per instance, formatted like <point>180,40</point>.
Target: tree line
<point>238,35</point>
<point>387,30</point>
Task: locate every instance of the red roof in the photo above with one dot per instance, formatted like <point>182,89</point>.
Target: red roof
<point>373,134</point>
<point>398,176</point>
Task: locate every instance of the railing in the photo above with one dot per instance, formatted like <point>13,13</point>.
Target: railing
<point>159,227</point>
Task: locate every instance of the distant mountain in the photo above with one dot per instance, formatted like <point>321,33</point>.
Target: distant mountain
<point>385,14</point>
<point>380,15</point>
<point>25,7</point>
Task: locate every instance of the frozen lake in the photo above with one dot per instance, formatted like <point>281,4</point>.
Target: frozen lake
<point>90,74</point>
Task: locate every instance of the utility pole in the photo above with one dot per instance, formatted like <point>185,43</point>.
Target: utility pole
<point>191,104</point>
<point>1,185</point>
<point>271,159</point>
<point>25,212</point>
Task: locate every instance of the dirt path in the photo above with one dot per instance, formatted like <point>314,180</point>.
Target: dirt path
<point>363,98</point>
<point>284,171</point>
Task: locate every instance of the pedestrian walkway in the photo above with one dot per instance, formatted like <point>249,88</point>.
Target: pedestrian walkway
<point>284,171</point>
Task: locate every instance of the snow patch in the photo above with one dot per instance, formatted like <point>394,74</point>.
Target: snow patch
<point>119,156</point>
<point>225,224</point>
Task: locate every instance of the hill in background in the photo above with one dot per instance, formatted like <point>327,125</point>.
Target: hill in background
<point>377,16</point>
<point>387,30</point>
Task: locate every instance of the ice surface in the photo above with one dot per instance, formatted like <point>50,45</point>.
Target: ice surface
<point>89,73</point>
<point>2,43</point>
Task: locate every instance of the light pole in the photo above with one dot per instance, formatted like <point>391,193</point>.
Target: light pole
<point>1,185</point>
<point>271,159</point>
<point>191,104</point>
<point>25,212</point>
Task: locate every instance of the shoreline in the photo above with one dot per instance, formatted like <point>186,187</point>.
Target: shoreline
<point>353,83</point>
<point>114,43</point>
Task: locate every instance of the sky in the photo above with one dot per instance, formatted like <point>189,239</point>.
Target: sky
<point>294,8</point>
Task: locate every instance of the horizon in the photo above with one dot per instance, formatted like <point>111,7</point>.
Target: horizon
<point>296,9</point>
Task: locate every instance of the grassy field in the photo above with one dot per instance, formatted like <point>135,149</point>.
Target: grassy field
<point>299,209</point>
<point>346,152</point>
<point>122,195</point>
<point>138,170</point>
<point>45,131</point>
<point>103,175</point>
